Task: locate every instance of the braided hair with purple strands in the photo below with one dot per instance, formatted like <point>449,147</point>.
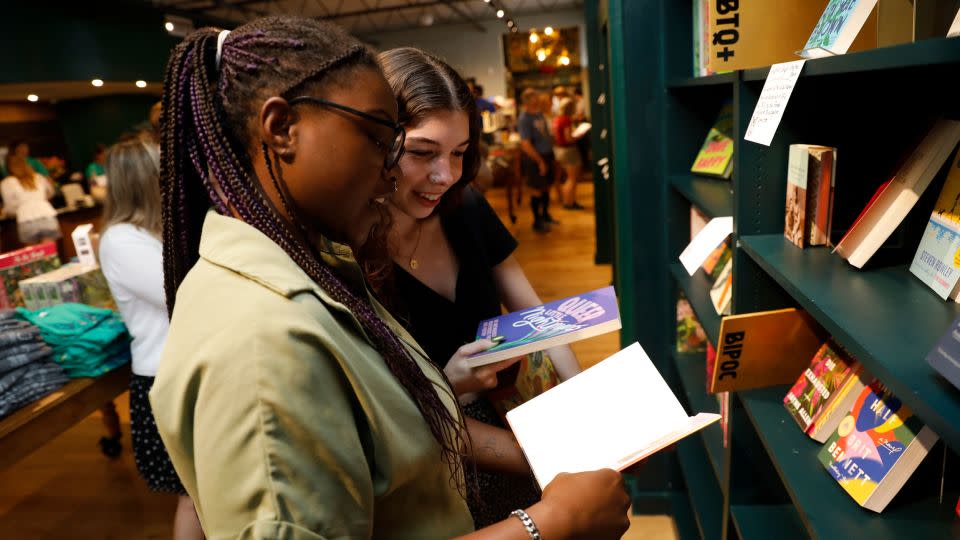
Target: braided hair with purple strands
<point>208,110</point>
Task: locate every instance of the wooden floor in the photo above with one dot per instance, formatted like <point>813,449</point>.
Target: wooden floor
<point>67,489</point>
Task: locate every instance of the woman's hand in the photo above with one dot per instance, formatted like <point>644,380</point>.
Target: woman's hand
<point>589,505</point>
<point>466,380</point>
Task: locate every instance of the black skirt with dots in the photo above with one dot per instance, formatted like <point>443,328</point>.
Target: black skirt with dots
<point>148,450</point>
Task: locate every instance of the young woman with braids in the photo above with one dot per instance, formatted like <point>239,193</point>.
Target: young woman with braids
<point>291,403</point>
<point>453,257</point>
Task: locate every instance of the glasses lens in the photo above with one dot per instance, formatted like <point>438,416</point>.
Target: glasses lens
<point>396,150</point>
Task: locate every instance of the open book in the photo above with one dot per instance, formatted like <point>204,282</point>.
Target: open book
<point>612,415</point>
<point>549,325</point>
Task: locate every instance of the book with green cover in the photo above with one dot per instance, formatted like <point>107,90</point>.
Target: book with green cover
<point>716,155</point>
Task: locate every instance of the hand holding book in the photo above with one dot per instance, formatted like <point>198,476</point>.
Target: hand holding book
<point>466,379</point>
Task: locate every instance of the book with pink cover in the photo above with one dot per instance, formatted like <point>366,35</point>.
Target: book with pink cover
<point>612,415</point>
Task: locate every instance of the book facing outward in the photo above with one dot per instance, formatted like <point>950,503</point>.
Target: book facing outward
<point>824,392</point>
<point>763,349</point>
<point>945,357</point>
<point>612,415</point>
<point>549,325</point>
<point>876,447</point>
<point>810,181</point>
<point>722,290</point>
<point>716,155</point>
<point>837,28</point>
<point>937,262</point>
<point>893,201</point>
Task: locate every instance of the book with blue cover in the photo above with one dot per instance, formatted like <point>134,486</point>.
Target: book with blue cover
<point>945,357</point>
<point>837,28</point>
<point>549,325</point>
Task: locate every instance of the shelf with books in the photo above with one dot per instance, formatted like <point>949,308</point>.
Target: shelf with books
<point>886,317</point>
<point>824,508</point>
<point>705,495</point>
<point>692,370</point>
<point>714,197</point>
<point>928,52</point>
<point>764,521</point>
<point>697,290</point>
<point>700,82</point>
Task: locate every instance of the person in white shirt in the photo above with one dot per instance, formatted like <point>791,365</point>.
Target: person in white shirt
<point>131,257</point>
<point>26,195</point>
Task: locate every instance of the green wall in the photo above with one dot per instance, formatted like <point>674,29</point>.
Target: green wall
<point>87,122</point>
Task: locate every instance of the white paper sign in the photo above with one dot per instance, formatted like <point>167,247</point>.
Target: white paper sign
<point>773,101</point>
<point>955,27</point>
<point>705,242</point>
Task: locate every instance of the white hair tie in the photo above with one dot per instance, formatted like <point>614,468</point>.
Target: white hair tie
<point>220,39</point>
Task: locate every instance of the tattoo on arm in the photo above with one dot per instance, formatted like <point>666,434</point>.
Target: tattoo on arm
<point>490,446</point>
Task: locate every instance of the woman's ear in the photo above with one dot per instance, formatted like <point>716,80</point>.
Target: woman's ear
<point>277,126</point>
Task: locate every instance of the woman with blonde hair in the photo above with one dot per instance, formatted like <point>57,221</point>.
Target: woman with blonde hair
<point>26,195</point>
<point>131,256</point>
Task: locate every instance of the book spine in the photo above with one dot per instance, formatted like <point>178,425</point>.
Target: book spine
<point>814,216</point>
<point>795,211</point>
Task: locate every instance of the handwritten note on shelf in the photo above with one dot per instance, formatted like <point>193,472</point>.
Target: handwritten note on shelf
<point>773,101</point>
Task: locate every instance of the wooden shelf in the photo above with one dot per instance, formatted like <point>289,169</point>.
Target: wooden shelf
<point>697,290</point>
<point>706,499</point>
<point>911,55</point>
<point>721,79</point>
<point>693,377</point>
<point>765,521</point>
<point>824,508</point>
<point>886,317</point>
<point>713,196</point>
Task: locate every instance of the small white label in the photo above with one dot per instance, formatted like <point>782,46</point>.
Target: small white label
<point>773,101</point>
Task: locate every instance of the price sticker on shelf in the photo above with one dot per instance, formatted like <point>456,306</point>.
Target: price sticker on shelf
<point>773,101</point>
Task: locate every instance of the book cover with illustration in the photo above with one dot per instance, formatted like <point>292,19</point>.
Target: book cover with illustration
<point>21,264</point>
<point>722,290</point>
<point>837,28</point>
<point>876,447</point>
<point>716,155</point>
<point>937,261</point>
<point>717,260</point>
<point>821,177</point>
<point>690,335</point>
<point>819,385</point>
<point>549,325</point>
<point>795,214</point>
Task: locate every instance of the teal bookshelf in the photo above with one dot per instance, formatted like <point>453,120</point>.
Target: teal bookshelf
<point>871,105</point>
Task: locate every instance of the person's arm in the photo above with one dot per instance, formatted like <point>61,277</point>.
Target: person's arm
<point>495,449</point>
<point>517,294</point>
<point>11,196</point>
<point>527,147</point>
<point>135,265</point>
<point>47,186</point>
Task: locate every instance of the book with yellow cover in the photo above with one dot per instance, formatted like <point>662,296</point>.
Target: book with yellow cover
<point>763,349</point>
<point>716,155</point>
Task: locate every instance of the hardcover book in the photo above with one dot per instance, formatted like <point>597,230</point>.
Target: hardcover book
<point>945,357</point>
<point>937,262</point>
<point>716,155</point>
<point>830,377</point>
<point>580,424</point>
<point>837,28</point>
<point>549,325</point>
<point>722,290</point>
<point>876,447</point>
<point>690,334</point>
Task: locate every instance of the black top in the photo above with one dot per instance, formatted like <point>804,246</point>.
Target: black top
<point>480,242</point>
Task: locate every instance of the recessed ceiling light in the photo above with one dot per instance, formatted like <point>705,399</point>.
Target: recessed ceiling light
<point>169,26</point>
<point>97,82</point>
<point>499,13</point>
<point>33,97</point>
<point>548,31</point>
<point>141,84</point>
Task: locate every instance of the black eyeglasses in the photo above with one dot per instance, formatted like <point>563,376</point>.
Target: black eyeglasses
<point>394,150</point>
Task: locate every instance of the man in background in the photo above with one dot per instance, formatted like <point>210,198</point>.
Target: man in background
<point>537,161</point>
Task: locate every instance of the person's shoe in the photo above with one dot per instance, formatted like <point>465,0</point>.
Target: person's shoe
<point>549,220</point>
<point>574,206</point>
<point>541,226</point>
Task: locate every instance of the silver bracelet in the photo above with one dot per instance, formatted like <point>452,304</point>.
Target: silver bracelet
<point>528,524</point>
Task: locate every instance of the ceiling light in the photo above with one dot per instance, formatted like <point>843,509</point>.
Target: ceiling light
<point>141,84</point>
<point>500,13</point>
<point>548,31</point>
<point>169,26</point>
<point>514,29</point>
<point>564,60</point>
<point>33,98</point>
<point>541,55</point>
<point>510,24</point>
<point>97,82</point>
<point>487,1</point>
<point>534,37</point>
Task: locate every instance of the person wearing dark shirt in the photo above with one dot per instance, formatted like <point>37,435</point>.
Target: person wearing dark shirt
<point>537,161</point>
<point>453,257</point>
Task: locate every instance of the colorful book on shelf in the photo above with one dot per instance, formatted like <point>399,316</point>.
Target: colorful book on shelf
<point>763,349</point>
<point>579,424</point>
<point>945,357</point>
<point>876,447</point>
<point>716,155</point>
<point>830,383</point>
<point>722,290</point>
<point>894,200</point>
<point>839,25</point>
<point>690,334</point>
<point>711,357</point>
<point>937,262</point>
<point>549,325</point>
<point>21,264</point>
<point>717,260</point>
<point>810,181</point>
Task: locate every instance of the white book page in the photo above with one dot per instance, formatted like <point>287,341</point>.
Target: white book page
<point>705,242</point>
<point>598,418</point>
<point>955,27</point>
